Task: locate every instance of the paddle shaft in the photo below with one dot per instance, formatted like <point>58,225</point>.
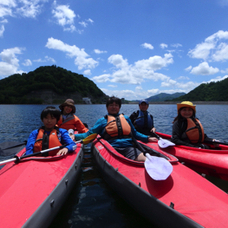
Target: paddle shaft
<point>17,159</point>
<point>218,142</point>
<point>17,145</point>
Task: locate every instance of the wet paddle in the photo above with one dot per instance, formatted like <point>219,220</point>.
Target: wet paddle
<point>163,143</point>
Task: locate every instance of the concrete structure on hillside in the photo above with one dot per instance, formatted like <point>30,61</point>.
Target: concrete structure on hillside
<point>86,100</point>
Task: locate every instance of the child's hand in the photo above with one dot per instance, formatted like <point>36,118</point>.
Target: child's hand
<point>62,151</point>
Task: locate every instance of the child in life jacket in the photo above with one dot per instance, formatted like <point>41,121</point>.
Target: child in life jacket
<point>49,136</point>
<point>68,120</point>
<point>187,129</point>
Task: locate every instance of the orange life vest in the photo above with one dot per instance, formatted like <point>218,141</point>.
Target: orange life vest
<point>51,140</point>
<point>117,127</point>
<point>194,132</point>
<point>68,123</point>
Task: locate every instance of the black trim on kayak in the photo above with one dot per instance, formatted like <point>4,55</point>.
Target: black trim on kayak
<point>146,204</point>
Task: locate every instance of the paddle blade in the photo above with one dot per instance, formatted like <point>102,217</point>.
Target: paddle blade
<point>158,168</point>
<point>89,139</point>
<point>163,143</point>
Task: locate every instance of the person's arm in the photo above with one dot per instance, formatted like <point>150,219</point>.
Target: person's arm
<point>79,125</point>
<point>66,140</point>
<point>31,141</point>
<point>97,128</point>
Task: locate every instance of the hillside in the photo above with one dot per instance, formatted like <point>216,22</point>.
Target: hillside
<point>164,97</point>
<point>49,84</point>
<point>214,91</point>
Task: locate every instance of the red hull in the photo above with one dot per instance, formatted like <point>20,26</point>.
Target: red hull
<point>196,202</point>
<point>210,162</point>
<point>33,191</point>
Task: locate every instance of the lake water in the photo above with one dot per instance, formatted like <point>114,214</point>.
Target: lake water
<point>92,203</point>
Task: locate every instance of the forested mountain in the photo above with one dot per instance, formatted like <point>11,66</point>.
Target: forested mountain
<point>214,91</point>
<point>48,84</point>
<point>164,97</point>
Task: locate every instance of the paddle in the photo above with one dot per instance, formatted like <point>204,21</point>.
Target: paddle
<point>17,159</point>
<point>218,142</point>
<point>88,139</point>
<point>163,143</point>
<point>9,148</point>
<point>158,168</point>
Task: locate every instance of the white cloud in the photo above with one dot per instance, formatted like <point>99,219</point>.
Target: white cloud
<point>221,53</point>
<point>102,78</point>
<point>127,94</point>
<point>4,21</point>
<point>97,51</point>
<point>46,59</point>
<point>188,68</point>
<point>87,72</point>
<point>217,79</point>
<point>204,69</point>
<point>183,78</point>
<point>83,24</point>
<point>163,46</point>
<point>5,11</point>
<point>82,59</point>
<point>138,72</point>
<point>118,61</point>
<point>65,17</point>
<point>201,51</point>
<point>25,8</point>
<point>147,46</point>
<point>155,62</point>
<point>176,45</point>
<point>10,63</point>
<point>2,29</point>
<point>212,44</point>
<point>9,3</point>
<point>113,86</point>
<point>90,20</point>
<point>30,8</point>
<point>27,62</point>
<point>225,71</point>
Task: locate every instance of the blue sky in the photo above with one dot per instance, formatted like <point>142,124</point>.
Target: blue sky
<point>132,49</point>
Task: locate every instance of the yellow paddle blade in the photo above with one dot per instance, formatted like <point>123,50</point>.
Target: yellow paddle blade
<point>89,138</point>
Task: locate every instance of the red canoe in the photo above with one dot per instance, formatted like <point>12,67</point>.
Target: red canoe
<point>211,162</point>
<point>184,199</point>
<point>33,191</point>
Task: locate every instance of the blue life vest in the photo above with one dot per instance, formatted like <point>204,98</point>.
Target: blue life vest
<point>144,122</point>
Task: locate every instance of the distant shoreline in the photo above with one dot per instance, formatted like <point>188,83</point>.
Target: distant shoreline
<point>154,102</point>
<point>194,102</point>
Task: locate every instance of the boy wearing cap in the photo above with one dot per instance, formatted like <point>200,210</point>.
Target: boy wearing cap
<point>68,119</point>
<point>142,119</point>
<point>187,129</point>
